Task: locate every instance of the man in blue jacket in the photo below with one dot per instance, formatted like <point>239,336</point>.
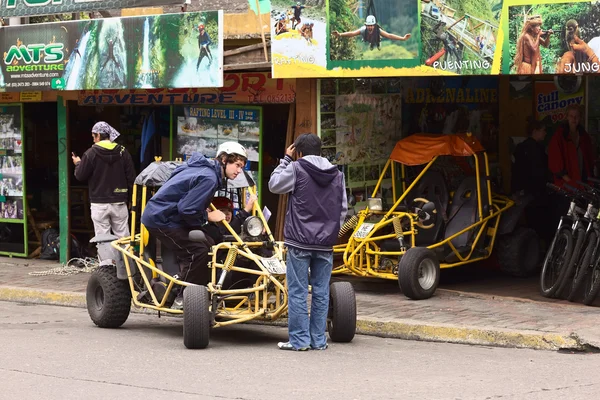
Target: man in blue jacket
<point>182,204</point>
<point>316,209</point>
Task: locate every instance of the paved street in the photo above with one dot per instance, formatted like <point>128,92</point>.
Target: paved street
<point>53,352</point>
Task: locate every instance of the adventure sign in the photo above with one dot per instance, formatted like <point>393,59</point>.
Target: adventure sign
<point>24,8</point>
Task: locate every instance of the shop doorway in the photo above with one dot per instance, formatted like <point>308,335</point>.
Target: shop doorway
<point>145,133</point>
<point>41,166</point>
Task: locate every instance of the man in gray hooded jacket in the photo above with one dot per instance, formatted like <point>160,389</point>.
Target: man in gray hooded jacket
<point>316,209</point>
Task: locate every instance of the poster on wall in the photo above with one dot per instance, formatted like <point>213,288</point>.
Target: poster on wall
<point>158,51</point>
<point>551,103</point>
<point>460,36</point>
<point>552,38</point>
<point>203,129</point>
<point>453,105</point>
<point>321,38</point>
<point>366,38</point>
<point>12,190</point>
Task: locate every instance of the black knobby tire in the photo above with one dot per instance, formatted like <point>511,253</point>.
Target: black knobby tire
<point>419,273</point>
<point>583,265</point>
<point>554,264</point>
<point>196,317</point>
<point>341,321</point>
<point>518,253</point>
<point>108,298</point>
<point>567,275</point>
<point>592,286</point>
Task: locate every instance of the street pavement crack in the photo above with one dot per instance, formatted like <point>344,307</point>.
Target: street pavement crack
<point>541,391</point>
<point>122,384</point>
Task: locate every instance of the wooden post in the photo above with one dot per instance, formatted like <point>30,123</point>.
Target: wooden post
<point>282,204</point>
<point>63,179</point>
<point>262,31</point>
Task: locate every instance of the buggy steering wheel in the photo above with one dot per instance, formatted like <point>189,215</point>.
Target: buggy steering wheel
<point>419,204</point>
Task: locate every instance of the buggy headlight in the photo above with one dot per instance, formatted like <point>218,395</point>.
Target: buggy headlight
<point>253,226</point>
<point>375,204</point>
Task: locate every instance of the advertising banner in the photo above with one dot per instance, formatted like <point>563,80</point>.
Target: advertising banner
<point>551,103</point>
<point>366,38</point>
<point>158,51</point>
<point>551,38</point>
<point>238,88</point>
<point>24,8</point>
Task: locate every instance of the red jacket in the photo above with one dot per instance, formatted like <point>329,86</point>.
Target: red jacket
<point>563,158</point>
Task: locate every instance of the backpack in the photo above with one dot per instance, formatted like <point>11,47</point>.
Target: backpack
<point>50,247</point>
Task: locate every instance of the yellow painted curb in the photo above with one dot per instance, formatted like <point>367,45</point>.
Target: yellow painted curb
<point>40,296</point>
<point>469,335</point>
<point>399,330</point>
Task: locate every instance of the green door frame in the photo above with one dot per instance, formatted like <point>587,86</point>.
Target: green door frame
<point>63,180</point>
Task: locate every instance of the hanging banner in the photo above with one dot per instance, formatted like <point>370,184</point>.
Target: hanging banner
<point>552,37</point>
<point>238,88</point>
<point>158,51</point>
<point>26,8</point>
<point>551,102</point>
<point>365,38</point>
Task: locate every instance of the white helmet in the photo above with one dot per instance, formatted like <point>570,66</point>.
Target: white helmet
<point>370,20</point>
<point>232,148</point>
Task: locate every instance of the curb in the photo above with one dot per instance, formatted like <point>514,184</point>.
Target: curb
<point>407,330</point>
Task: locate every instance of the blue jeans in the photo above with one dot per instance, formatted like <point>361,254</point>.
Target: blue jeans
<point>304,332</point>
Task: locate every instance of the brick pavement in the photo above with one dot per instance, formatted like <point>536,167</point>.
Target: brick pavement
<point>473,314</point>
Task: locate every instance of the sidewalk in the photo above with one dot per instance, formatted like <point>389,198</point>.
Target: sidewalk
<point>476,313</point>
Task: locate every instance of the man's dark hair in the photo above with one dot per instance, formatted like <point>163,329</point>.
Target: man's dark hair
<point>103,136</point>
<point>534,125</point>
<point>308,144</point>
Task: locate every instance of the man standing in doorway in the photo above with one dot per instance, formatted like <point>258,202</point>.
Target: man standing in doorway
<point>316,209</point>
<point>109,170</point>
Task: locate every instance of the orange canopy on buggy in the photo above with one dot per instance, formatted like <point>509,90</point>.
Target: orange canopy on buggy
<point>421,148</point>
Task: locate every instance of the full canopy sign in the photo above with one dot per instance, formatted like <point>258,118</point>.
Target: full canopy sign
<point>158,51</point>
<point>23,8</point>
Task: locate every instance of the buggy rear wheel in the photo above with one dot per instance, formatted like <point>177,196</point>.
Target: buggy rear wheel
<point>108,298</point>
<point>341,321</point>
<point>519,252</point>
<point>419,273</point>
<point>196,317</point>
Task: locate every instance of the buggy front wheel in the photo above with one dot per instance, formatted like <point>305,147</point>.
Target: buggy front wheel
<point>108,298</point>
<point>196,317</point>
<point>419,273</point>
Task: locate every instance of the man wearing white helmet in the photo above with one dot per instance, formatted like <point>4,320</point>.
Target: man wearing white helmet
<point>371,33</point>
<point>182,204</point>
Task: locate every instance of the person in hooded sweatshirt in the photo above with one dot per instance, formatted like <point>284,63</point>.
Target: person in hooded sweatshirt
<point>182,204</point>
<point>109,170</point>
<point>315,212</point>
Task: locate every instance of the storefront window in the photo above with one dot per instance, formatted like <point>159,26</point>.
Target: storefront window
<point>12,190</point>
<point>360,122</point>
<point>203,129</point>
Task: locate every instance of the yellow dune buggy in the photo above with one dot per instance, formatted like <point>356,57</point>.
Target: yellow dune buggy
<point>134,268</point>
<point>413,229</point>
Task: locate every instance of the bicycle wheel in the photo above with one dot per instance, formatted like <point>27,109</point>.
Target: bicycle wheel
<point>567,274</point>
<point>583,264</point>
<point>592,286</point>
<point>558,253</point>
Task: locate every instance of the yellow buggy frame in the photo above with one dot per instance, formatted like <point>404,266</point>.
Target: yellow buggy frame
<point>428,228</point>
<point>131,271</point>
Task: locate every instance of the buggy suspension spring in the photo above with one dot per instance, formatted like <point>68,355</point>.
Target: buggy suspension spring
<point>348,225</point>
<point>230,259</point>
<point>398,228</point>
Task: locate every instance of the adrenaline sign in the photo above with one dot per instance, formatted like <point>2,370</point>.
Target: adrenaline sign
<point>24,8</point>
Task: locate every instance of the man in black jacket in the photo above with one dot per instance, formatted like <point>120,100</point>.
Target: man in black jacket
<point>109,170</point>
